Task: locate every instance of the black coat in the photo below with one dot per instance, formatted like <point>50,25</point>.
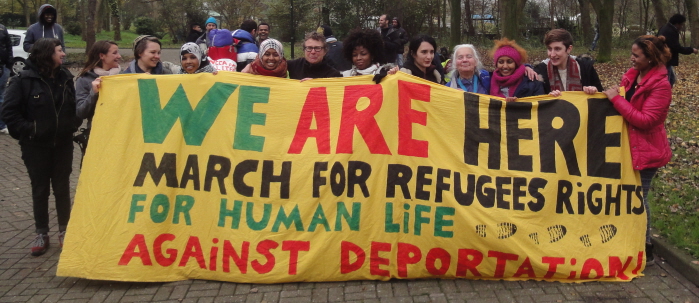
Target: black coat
<point>672,39</point>
<point>588,74</point>
<point>193,36</point>
<point>393,43</point>
<point>336,57</point>
<point>5,48</point>
<point>34,114</point>
<point>300,69</point>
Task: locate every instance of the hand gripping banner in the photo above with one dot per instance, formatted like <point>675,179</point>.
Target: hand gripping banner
<point>244,178</point>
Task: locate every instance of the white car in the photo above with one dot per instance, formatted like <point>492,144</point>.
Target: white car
<point>19,55</point>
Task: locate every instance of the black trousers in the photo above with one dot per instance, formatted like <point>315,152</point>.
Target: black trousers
<point>47,167</point>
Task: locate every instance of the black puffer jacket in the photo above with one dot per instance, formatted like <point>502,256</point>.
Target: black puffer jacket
<point>38,113</point>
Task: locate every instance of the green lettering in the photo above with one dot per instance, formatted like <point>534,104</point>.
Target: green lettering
<point>352,220</point>
<point>419,219</point>
<point>157,122</point>
<point>390,226</point>
<point>183,204</point>
<point>319,218</point>
<point>250,220</point>
<point>244,140</point>
<point>135,208</point>
<point>440,222</point>
<point>156,215</point>
<point>234,213</point>
<point>293,217</point>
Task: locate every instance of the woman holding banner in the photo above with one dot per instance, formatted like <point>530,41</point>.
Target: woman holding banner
<point>365,49</point>
<point>39,110</point>
<point>468,74</point>
<point>146,50</point>
<point>509,80</point>
<point>194,60</point>
<point>270,60</point>
<point>645,107</point>
<point>102,60</point>
<point>419,62</point>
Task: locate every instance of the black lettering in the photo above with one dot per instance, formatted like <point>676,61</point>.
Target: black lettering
<point>550,136</point>
<point>517,192</point>
<point>318,181</point>
<point>475,135</point>
<point>565,190</point>
<point>398,175</point>
<point>514,112</point>
<point>613,199</point>
<point>594,204</point>
<point>284,179</point>
<point>485,196</point>
<point>353,178</point>
<point>220,174</point>
<point>501,192</point>
<point>464,198</point>
<point>337,179</point>
<point>421,181</point>
<point>441,185</point>
<point>598,140</point>
<point>191,172</point>
<point>534,185</point>
<point>242,169</point>
<point>167,167</point>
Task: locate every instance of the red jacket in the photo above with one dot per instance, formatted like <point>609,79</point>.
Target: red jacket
<point>645,114</point>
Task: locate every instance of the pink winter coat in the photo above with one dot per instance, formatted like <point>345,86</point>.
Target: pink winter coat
<point>646,113</point>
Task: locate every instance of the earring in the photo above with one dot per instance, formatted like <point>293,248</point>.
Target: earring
<point>648,62</point>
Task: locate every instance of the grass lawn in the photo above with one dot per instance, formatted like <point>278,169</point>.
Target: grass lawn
<point>127,38</point>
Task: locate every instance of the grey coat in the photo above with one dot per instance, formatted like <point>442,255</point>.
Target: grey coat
<point>40,30</point>
<point>85,98</point>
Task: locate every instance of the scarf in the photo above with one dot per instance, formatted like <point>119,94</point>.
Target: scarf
<point>427,75</point>
<point>101,72</point>
<point>511,81</point>
<point>193,48</point>
<point>257,69</point>
<point>572,83</point>
<point>371,70</point>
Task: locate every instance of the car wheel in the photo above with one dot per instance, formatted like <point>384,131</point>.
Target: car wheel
<point>17,65</point>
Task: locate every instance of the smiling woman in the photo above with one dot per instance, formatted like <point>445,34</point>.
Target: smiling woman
<point>193,60</point>
<point>270,60</point>
<point>365,49</point>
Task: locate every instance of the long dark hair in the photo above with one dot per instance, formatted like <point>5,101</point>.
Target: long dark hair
<point>41,55</point>
<point>417,41</point>
<point>93,57</point>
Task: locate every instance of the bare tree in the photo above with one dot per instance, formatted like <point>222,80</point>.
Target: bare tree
<point>660,18</point>
<point>605,16</point>
<point>455,22</point>
<point>510,15</point>
<point>90,28</point>
<point>693,20</point>
<point>586,22</point>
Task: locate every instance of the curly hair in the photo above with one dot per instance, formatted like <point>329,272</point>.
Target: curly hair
<point>654,48</point>
<point>93,56</point>
<point>42,55</point>
<point>369,39</point>
<point>511,43</point>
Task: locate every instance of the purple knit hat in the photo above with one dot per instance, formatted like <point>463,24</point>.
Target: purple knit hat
<point>507,51</point>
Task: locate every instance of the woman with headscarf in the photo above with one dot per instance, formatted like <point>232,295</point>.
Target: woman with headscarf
<point>194,61</point>
<point>645,107</point>
<point>509,80</point>
<point>365,49</point>
<point>270,60</point>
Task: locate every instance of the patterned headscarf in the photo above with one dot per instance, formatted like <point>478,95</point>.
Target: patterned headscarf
<point>193,48</point>
<point>271,43</point>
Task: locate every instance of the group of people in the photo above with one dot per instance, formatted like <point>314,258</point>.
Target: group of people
<point>44,107</point>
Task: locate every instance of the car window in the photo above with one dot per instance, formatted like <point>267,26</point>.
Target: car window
<point>15,39</point>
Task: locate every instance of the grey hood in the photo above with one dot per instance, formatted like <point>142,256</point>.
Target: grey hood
<point>46,8</point>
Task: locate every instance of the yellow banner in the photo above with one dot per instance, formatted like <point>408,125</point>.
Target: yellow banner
<point>245,178</point>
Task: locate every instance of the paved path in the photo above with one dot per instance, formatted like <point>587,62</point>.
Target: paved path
<point>33,279</point>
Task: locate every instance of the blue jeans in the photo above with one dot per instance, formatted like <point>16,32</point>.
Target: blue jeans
<point>3,84</point>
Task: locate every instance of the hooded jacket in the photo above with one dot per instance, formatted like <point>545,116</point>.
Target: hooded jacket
<point>33,111</point>
<point>40,29</point>
<point>246,48</point>
<point>646,114</point>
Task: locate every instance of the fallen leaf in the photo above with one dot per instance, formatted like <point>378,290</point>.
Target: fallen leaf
<point>663,275</point>
<point>695,262</point>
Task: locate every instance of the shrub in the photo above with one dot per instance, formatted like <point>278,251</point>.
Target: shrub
<point>74,28</point>
<point>145,26</point>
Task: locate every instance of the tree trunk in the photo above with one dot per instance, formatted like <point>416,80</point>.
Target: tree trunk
<point>469,19</point>
<point>693,21</point>
<point>660,18</point>
<point>97,25</point>
<point>455,23</point>
<point>587,29</point>
<point>510,17</point>
<point>25,9</point>
<point>90,28</point>
<point>605,15</point>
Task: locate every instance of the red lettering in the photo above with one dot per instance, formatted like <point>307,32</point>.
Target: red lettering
<point>138,241</point>
<point>639,262</point>
<point>468,259</point>
<point>525,269</point>
<point>502,259</point>
<point>264,248</point>
<point>407,92</point>
<point>590,265</point>
<point>347,266</point>
<point>213,255</point>
<point>553,263</point>
<point>616,269</point>
<point>364,120</point>
<point>407,254</point>
<point>293,247</point>
<point>240,260</point>
<point>193,249</point>
<point>158,250</point>
<point>375,261</point>
<point>438,254</point>
<point>316,105</point>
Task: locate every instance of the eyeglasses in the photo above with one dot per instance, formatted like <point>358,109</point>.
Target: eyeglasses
<point>313,48</point>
